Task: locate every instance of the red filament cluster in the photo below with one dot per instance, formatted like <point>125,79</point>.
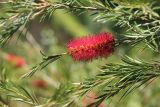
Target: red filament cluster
<point>39,83</point>
<point>17,61</point>
<point>91,47</point>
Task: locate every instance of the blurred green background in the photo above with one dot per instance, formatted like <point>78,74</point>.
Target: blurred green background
<point>51,36</point>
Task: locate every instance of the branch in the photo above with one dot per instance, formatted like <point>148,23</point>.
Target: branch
<point>15,92</point>
<point>116,77</point>
<point>46,60</point>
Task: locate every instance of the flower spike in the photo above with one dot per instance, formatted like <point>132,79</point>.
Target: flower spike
<point>91,47</point>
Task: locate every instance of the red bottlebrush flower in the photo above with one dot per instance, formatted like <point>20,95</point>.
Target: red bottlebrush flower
<point>90,99</point>
<point>19,62</point>
<point>39,83</point>
<point>91,47</point>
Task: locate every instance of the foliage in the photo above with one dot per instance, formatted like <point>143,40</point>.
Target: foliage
<point>117,77</point>
<point>132,23</point>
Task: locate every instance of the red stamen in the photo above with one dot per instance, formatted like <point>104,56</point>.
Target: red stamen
<point>39,83</point>
<point>91,47</point>
<point>19,62</point>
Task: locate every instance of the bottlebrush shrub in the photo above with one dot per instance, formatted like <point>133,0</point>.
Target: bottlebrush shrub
<point>91,47</point>
<point>39,83</point>
<point>17,61</point>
